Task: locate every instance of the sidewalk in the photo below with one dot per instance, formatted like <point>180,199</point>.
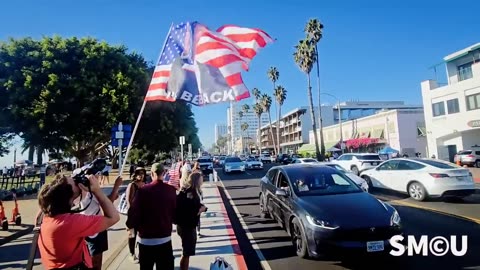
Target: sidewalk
<point>218,239</point>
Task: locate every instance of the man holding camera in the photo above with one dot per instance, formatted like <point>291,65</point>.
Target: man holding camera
<point>62,232</point>
<point>151,214</point>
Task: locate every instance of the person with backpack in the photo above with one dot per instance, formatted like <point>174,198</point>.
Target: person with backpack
<point>187,215</point>
<point>132,188</point>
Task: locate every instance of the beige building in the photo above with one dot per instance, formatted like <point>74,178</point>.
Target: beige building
<point>402,130</point>
<point>266,140</point>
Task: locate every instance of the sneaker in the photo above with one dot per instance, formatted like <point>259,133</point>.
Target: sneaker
<point>133,258</point>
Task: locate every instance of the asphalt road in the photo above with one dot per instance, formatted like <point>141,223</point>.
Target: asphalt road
<point>418,218</point>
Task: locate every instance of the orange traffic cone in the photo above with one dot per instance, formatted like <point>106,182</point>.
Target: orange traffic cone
<point>16,217</point>
<point>3,218</point>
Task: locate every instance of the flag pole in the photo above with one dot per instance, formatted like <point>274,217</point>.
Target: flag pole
<point>129,147</point>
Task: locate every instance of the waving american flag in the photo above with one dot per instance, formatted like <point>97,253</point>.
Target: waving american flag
<point>202,67</point>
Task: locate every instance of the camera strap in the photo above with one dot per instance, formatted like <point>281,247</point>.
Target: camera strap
<point>34,245</point>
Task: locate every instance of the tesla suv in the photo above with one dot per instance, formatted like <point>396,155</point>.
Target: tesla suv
<point>325,211</point>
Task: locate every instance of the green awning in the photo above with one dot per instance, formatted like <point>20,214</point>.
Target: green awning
<point>377,133</point>
<point>310,148</point>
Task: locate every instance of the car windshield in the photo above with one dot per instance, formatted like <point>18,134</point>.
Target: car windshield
<point>368,157</point>
<point>465,152</point>
<point>321,181</point>
<point>308,160</point>
<point>233,159</point>
<point>222,158</point>
<point>438,164</point>
<point>204,160</point>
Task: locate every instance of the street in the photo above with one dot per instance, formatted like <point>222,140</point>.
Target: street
<point>418,218</point>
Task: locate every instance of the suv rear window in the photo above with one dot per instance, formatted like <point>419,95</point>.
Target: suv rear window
<point>368,157</point>
<point>465,152</point>
<point>234,159</point>
<point>204,160</point>
<point>266,155</point>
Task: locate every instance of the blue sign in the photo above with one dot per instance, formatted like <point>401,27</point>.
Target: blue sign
<point>127,135</point>
<point>125,128</point>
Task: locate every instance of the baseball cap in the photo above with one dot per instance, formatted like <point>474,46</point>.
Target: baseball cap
<point>157,168</point>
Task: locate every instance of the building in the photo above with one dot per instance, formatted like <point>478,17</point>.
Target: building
<point>351,110</point>
<point>220,131</point>
<point>295,127</point>
<point>402,130</point>
<point>452,111</point>
<point>266,140</point>
<point>234,125</point>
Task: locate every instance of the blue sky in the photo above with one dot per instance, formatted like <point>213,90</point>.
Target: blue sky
<point>371,50</point>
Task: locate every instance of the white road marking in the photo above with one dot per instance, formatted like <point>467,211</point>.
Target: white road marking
<point>254,244</point>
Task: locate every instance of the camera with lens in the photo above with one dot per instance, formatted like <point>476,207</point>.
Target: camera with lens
<point>96,166</point>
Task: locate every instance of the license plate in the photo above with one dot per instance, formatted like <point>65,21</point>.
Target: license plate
<point>462,178</point>
<point>375,246</point>
<point>374,163</point>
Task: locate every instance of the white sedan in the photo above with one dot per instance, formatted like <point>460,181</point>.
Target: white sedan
<point>355,178</point>
<point>421,178</point>
<point>253,163</point>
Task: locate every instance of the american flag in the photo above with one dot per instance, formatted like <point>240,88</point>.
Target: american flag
<point>230,50</point>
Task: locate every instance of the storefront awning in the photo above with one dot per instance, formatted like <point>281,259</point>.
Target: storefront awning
<point>377,133</point>
<point>310,148</point>
<point>357,143</point>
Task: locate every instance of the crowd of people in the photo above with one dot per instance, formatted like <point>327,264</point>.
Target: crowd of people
<point>77,239</point>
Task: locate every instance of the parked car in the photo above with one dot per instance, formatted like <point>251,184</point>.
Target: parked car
<point>254,163</point>
<point>355,178</point>
<point>323,210</point>
<point>468,157</point>
<point>221,160</point>
<point>357,162</point>
<point>265,158</point>
<point>421,178</point>
<point>206,164</point>
<point>280,158</point>
<point>233,164</point>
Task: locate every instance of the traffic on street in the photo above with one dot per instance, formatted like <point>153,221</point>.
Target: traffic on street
<point>265,244</point>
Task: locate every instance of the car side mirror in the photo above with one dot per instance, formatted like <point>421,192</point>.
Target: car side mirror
<point>281,192</point>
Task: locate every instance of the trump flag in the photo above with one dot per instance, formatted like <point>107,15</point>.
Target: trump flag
<point>200,66</point>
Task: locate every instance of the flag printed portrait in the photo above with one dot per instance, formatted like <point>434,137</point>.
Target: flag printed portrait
<point>202,67</point>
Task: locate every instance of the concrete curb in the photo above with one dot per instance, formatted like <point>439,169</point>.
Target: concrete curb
<point>108,261</point>
<point>16,235</point>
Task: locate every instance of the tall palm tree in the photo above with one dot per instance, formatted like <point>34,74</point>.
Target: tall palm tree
<point>257,94</point>
<point>258,109</point>
<point>266,102</point>
<point>304,57</point>
<point>273,74</point>
<point>280,95</point>
<point>244,128</point>
<point>314,31</point>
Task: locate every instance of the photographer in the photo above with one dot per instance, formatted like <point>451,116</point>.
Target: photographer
<point>62,233</point>
<point>187,216</point>
<point>97,243</point>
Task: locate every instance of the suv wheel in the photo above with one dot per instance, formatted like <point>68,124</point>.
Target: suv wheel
<point>263,208</point>
<point>417,191</point>
<point>477,163</point>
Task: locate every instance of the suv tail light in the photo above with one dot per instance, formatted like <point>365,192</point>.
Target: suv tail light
<point>439,175</point>
<point>470,156</point>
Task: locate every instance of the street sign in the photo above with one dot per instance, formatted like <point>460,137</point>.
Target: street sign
<point>124,128</point>
<point>182,140</point>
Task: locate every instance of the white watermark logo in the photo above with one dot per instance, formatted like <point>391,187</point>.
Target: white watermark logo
<point>437,246</point>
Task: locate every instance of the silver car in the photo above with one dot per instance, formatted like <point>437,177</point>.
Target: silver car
<point>233,164</point>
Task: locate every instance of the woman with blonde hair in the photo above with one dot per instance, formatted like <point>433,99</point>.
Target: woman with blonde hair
<point>189,209</point>
<point>196,167</point>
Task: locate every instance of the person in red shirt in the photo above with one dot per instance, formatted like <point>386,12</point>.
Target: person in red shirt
<point>62,233</point>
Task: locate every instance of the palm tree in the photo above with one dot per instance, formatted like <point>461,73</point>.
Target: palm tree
<point>266,102</point>
<point>245,108</point>
<point>244,128</point>
<point>273,74</point>
<point>304,57</point>
<point>314,31</point>
<point>258,109</point>
<point>257,94</point>
<point>280,95</point>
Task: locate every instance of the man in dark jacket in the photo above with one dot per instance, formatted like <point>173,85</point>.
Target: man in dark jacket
<point>151,214</point>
